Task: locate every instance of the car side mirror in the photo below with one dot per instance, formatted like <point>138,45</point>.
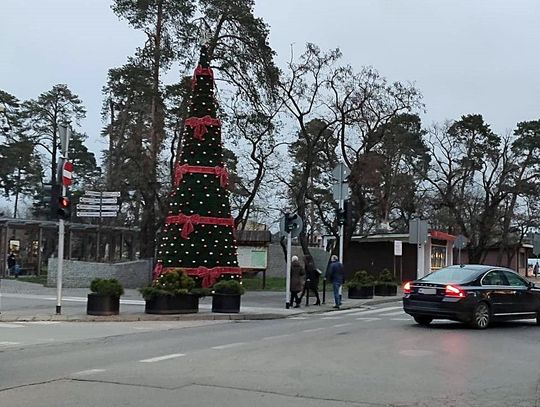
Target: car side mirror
<point>530,284</point>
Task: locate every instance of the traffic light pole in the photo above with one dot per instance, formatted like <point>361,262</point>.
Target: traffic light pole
<point>61,231</point>
<point>288,272</point>
<point>60,261</point>
<point>341,231</point>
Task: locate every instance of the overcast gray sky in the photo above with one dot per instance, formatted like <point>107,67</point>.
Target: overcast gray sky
<point>466,56</point>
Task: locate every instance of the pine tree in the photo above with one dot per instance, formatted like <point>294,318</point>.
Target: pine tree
<point>198,233</point>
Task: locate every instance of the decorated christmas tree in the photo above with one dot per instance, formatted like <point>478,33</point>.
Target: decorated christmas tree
<point>197,237</point>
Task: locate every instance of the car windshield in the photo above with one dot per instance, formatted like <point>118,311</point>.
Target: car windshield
<point>451,275</point>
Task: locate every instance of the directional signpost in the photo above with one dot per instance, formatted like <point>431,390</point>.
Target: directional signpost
<point>98,204</point>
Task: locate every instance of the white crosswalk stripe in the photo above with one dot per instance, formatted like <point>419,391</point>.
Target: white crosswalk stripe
<point>376,311</point>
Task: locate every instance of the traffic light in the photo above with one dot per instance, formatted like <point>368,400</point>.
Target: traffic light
<point>341,216</point>
<point>64,207</point>
<point>52,192</point>
<point>290,225</point>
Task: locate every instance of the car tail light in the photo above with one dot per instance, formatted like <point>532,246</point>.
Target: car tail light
<point>407,288</point>
<point>453,291</point>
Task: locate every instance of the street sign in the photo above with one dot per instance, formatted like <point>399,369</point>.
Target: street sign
<point>97,200</point>
<point>398,248</point>
<point>460,242</point>
<point>67,173</point>
<point>341,172</point>
<point>341,191</point>
<point>64,134</point>
<point>536,244</point>
<point>98,207</point>
<point>418,231</point>
<point>96,214</point>
<point>103,193</point>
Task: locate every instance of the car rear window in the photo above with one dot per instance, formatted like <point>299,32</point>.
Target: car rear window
<point>451,275</point>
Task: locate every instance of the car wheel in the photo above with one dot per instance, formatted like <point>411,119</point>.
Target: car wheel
<point>424,321</point>
<point>481,316</point>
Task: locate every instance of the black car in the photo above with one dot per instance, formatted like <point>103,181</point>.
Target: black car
<point>475,294</point>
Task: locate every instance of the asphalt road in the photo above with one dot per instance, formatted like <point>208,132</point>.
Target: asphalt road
<point>375,357</point>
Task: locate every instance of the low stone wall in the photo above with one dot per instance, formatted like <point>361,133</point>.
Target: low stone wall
<point>131,274</point>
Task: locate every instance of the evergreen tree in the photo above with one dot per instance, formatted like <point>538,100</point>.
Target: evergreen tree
<point>198,233</point>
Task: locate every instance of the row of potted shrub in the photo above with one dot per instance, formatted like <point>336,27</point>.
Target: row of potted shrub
<point>171,293</point>
<point>363,285</point>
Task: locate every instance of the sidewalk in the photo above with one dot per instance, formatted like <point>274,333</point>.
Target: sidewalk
<point>21,301</point>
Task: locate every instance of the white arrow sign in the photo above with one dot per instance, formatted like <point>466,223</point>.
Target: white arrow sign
<point>98,207</point>
<point>98,200</point>
<point>102,193</point>
<point>97,214</point>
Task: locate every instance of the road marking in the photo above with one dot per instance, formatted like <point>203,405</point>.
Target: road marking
<point>342,325</point>
<point>368,319</point>
<point>345,311</point>
<point>276,337</point>
<point>229,345</point>
<point>88,372</point>
<point>165,357</point>
<point>391,314</point>
<point>297,318</point>
<point>6,325</point>
<point>376,310</point>
<point>9,343</point>
<point>332,318</point>
<point>313,330</point>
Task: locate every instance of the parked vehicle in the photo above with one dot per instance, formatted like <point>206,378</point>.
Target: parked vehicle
<point>474,294</point>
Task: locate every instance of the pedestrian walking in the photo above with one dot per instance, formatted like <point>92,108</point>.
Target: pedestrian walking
<point>297,280</point>
<point>336,276</point>
<point>312,279</point>
<point>535,270</point>
<point>11,262</point>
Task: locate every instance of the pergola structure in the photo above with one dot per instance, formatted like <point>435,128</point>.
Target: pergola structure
<point>34,241</point>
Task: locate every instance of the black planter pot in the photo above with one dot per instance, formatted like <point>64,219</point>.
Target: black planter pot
<point>172,304</point>
<point>386,290</point>
<point>98,304</point>
<point>358,293</point>
<point>226,303</point>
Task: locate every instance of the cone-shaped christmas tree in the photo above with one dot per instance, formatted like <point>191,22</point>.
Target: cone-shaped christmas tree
<point>198,234</point>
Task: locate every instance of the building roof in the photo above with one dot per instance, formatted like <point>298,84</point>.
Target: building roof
<point>253,236</point>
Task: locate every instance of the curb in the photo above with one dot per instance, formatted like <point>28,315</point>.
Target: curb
<point>144,317</point>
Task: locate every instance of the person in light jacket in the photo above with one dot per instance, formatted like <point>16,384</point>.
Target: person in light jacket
<point>297,280</point>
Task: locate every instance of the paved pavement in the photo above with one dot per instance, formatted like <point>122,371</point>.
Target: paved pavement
<point>22,301</point>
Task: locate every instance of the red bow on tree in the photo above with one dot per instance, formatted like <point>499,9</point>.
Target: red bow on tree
<point>199,125</point>
<point>200,71</point>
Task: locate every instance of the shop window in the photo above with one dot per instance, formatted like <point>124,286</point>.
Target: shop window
<point>438,257</point>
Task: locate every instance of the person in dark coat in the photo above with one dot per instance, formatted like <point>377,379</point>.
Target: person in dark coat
<point>312,279</point>
<point>11,261</point>
<point>297,280</point>
<point>336,276</point>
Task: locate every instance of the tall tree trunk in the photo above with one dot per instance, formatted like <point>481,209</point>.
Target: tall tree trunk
<point>149,218</point>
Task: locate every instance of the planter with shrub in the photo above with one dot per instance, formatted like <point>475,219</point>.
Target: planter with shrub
<point>105,297</point>
<point>361,285</point>
<point>386,284</point>
<point>171,293</point>
<point>226,296</point>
